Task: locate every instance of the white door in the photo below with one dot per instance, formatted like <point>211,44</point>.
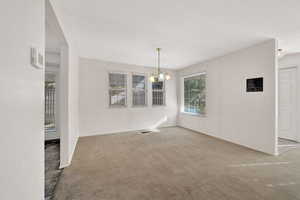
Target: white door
<point>287,103</point>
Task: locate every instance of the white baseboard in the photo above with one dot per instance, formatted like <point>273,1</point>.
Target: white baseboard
<point>61,166</point>
<point>68,163</point>
<point>123,130</point>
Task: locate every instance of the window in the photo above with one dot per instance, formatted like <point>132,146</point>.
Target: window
<point>117,89</point>
<point>194,94</point>
<point>158,93</point>
<point>139,92</point>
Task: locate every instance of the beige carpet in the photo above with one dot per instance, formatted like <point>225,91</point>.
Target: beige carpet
<point>176,164</point>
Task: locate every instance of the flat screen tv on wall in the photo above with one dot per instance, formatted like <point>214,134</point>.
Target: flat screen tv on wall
<point>255,84</point>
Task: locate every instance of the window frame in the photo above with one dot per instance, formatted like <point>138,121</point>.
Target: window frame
<point>145,90</point>
<point>125,89</point>
<point>182,110</point>
<point>164,94</point>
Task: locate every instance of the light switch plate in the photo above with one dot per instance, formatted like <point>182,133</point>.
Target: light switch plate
<point>36,58</point>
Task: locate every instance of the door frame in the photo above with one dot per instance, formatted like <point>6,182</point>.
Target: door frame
<point>297,96</point>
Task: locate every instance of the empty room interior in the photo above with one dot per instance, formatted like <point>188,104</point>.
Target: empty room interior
<point>150,100</point>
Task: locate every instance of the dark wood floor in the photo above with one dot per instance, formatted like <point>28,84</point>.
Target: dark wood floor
<point>52,171</point>
<point>176,164</point>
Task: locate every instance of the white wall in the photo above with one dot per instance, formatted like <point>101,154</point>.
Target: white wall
<point>52,58</point>
<point>293,60</point>
<point>68,91</point>
<point>73,98</point>
<point>95,115</point>
<point>68,86</point>
<point>21,102</point>
<point>248,119</point>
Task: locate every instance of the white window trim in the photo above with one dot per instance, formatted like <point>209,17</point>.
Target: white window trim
<point>146,90</point>
<point>182,94</point>
<point>164,95</point>
<point>126,89</point>
<point>195,74</point>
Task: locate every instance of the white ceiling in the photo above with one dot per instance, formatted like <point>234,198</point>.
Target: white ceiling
<point>188,31</point>
<point>52,40</point>
<point>54,36</point>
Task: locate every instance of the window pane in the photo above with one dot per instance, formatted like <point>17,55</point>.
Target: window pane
<point>158,85</point>
<point>158,93</point>
<point>117,81</point>
<point>138,90</point>
<point>139,98</point>
<point>157,97</point>
<point>194,94</point>
<point>138,81</point>
<point>117,97</point>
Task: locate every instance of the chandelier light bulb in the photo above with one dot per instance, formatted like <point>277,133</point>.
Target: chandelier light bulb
<point>167,76</point>
<point>152,78</point>
<point>161,76</point>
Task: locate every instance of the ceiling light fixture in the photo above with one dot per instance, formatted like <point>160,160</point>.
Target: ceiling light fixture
<point>159,75</point>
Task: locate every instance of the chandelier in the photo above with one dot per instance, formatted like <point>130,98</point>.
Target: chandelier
<point>159,75</point>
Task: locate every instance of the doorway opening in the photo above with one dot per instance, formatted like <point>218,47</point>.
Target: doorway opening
<point>52,125</point>
<point>56,101</point>
<point>51,133</point>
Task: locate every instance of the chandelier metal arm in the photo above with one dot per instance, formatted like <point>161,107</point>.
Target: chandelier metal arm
<point>159,76</point>
<point>158,60</point>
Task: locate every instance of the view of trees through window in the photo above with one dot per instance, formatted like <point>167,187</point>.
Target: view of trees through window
<point>194,94</point>
<point>158,93</point>
<point>117,89</point>
<point>139,90</point>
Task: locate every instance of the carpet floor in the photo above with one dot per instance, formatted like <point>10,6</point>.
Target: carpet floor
<point>176,164</point>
